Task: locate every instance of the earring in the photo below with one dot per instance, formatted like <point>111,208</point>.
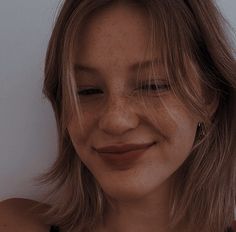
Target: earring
<point>201,130</point>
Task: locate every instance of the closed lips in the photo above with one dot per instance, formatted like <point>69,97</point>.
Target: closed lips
<point>123,148</point>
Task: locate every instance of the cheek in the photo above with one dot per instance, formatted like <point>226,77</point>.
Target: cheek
<point>173,120</point>
<point>178,128</point>
<point>182,137</point>
<point>81,138</point>
<point>186,124</point>
<point>88,123</point>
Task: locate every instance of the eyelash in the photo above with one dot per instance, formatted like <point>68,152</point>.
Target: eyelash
<point>93,91</point>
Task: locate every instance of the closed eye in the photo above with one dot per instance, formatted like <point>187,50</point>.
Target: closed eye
<point>147,87</point>
<point>156,87</point>
<point>90,91</point>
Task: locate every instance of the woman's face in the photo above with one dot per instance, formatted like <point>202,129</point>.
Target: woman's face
<point>110,45</point>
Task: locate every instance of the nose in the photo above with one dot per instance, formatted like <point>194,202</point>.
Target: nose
<point>118,118</point>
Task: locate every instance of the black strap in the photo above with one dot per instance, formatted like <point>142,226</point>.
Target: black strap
<point>57,229</point>
<point>54,229</point>
<point>229,229</point>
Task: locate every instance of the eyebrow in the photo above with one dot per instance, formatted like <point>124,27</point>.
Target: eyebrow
<point>134,67</point>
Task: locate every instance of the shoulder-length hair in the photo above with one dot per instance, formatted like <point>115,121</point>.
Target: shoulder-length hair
<point>203,195</point>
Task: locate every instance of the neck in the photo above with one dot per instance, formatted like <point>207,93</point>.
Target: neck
<point>148,214</point>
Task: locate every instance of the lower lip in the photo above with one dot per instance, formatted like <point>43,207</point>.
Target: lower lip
<point>124,158</point>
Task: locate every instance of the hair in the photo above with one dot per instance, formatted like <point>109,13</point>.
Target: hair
<point>204,191</point>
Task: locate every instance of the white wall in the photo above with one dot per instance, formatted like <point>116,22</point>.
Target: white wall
<point>27,125</point>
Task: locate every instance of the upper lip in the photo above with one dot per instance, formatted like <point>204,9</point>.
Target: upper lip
<point>123,148</point>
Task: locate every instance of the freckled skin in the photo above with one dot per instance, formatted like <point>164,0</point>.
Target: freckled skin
<point>111,41</point>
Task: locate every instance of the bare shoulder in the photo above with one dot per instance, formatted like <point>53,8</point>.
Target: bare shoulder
<point>22,215</point>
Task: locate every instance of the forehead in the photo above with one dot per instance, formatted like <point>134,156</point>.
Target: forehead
<point>115,36</point>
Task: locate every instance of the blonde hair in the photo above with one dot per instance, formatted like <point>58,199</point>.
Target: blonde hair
<point>187,30</point>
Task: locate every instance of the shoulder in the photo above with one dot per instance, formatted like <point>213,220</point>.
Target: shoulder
<point>22,215</point>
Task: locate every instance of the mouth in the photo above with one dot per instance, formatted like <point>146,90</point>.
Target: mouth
<point>123,148</point>
<point>123,154</point>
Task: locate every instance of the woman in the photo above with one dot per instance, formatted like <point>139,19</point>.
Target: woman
<point>144,97</point>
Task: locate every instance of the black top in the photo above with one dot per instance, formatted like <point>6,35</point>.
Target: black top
<point>229,229</point>
<point>54,229</point>
<point>57,229</point>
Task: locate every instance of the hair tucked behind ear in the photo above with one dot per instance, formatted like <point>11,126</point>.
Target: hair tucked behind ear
<point>187,33</point>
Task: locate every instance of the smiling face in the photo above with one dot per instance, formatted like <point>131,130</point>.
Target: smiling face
<point>111,45</point>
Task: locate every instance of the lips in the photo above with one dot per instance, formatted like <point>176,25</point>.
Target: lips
<point>123,157</point>
<point>124,148</point>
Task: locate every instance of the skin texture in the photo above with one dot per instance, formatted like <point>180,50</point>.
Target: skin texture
<point>111,42</point>
<point>16,215</point>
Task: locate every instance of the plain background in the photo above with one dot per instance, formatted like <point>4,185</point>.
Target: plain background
<point>28,140</point>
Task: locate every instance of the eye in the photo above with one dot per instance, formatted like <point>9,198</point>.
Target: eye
<point>89,91</point>
<point>154,87</point>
